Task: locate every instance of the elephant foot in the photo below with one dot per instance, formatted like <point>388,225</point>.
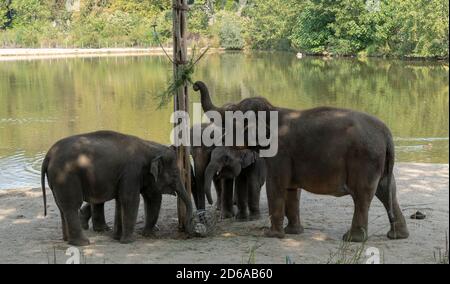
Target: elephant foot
<point>80,242</point>
<point>104,228</point>
<point>357,235</point>
<point>227,215</point>
<point>117,235</point>
<point>294,230</point>
<point>254,216</point>
<point>150,232</point>
<point>127,240</point>
<point>101,228</point>
<point>274,234</point>
<point>398,231</point>
<point>241,217</point>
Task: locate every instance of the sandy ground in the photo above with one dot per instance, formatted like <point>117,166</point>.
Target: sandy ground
<point>13,54</point>
<point>27,237</point>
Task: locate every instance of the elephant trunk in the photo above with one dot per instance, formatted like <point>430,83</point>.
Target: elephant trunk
<point>181,192</point>
<point>210,171</point>
<point>200,189</point>
<point>209,196</point>
<point>205,98</point>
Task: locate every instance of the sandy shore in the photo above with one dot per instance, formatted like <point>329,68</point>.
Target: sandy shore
<point>12,54</point>
<point>27,237</point>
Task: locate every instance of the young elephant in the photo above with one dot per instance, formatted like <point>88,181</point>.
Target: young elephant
<point>105,165</point>
<point>249,172</point>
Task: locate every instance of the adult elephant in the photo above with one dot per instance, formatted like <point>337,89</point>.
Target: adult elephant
<point>247,169</point>
<point>329,151</point>
<point>101,166</point>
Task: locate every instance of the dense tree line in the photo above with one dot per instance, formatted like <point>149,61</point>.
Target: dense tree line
<point>410,28</point>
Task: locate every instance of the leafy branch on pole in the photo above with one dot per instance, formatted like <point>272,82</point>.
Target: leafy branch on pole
<point>182,76</point>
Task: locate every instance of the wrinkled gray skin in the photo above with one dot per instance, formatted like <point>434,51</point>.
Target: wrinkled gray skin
<point>249,172</point>
<point>329,151</point>
<point>105,165</point>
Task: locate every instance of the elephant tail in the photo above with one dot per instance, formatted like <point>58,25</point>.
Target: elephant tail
<point>43,173</point>
<point>388,174</point>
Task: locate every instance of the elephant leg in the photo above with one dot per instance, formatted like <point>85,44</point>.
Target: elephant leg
<point>227,198</point>
<point>85,215</point>
<point>129,201</point>
<point>63,223</point>
<point>64,227</point>
<point>241,191</point>
<point>254,192</point>
<point>293,212</point>
<point>275,197</point>
<point>98,218</point>
<point>69,202</point>
<point>359,230</point>
<point>117,231</point>
<point>387,194</point>
<point>362,183</point>
<point>75,234</point>
<point>199,183</point>
<point>152,204</point>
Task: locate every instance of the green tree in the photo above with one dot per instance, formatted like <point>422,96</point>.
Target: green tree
<point>342,27</point>
<point>313,29</point>
<point>412,28</point>
<point>5,14</point>
<point>270,23</point>
<point>229,28</point>
<point>29,12</point>
<point>352,29</point>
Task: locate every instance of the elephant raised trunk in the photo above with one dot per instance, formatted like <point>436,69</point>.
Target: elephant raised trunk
<point>205,98</point>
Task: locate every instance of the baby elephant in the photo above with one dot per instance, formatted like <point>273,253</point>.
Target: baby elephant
<point>105,165</point>
<point>247,170</point>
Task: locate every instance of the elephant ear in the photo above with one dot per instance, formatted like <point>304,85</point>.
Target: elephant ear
<point>247,158</point>
<point>155,167</point>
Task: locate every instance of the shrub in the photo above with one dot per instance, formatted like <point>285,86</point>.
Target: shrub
<point>230,31</point>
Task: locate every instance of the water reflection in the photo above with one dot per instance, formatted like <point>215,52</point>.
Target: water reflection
<point>42,101</point>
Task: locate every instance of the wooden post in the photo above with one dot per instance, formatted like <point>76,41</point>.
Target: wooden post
<point>181,100</point>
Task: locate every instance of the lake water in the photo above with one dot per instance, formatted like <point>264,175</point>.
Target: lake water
<point>42,101</point>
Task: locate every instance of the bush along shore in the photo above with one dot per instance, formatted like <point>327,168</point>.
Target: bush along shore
<point>395,28</point>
